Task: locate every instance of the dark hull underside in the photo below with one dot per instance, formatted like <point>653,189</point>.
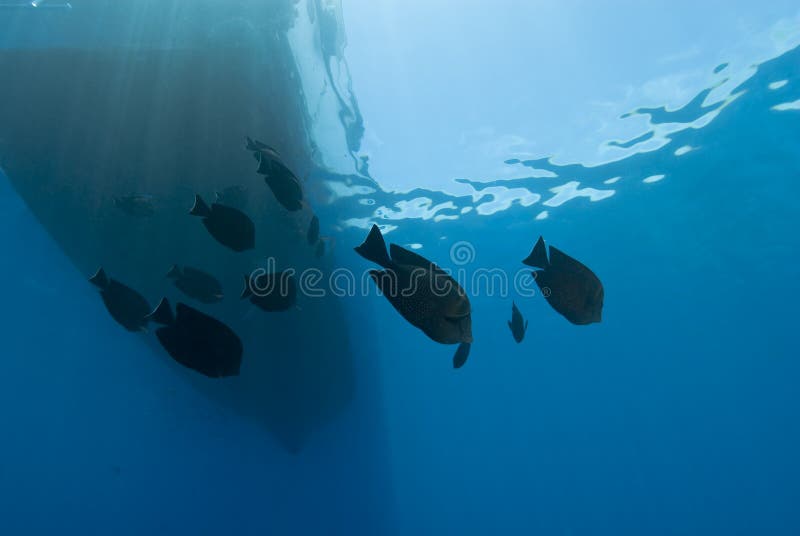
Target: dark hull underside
<point>80,127</point>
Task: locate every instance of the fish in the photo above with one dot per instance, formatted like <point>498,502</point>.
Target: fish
<point>284,184</point>
<point>126,306</point>
<point>233,196</point>
<point>271,292</point>
<point>136,205</point>
<point>570,288</point>
<point>229,226</point>
<point>518,328</point>
<point>198,341</point>
<point>196,284</point>
<point>424,294</point>
<point>313,231</point>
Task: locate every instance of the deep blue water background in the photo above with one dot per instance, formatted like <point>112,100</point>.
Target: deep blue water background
<point>677,415</point>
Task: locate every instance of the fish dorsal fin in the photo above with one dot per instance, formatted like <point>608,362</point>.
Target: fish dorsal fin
<point>99,279</point>
<point>200,208</point>
<point>162,313</point>
<point>374,248</point>
<point>174,272</point>
<point>538,257</point>
<point>401,255</point>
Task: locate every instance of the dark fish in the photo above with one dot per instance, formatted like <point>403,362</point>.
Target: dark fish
<point>424,294</point>
<point>271,292</point>
<point>196,284</point>
<point>127,307</point>
<point>320,249</point>
<point>313,231</point>
<point>231,227</point>
<point>136,205</point>
<point>570,288</point>
<point>198,341</point>
<point>283,183</point>
<point>232,196</point>
<point>517,324</point>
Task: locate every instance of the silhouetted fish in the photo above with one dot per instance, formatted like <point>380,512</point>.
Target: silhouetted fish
<point>570,288</point>
<point>272,292</point>
<point>424,294</point>
<point>283,183</point>
<point>198,341</point>
<point>313,231</point>
<point>232,196</point>
<point>136,205</point>
<point>231,227</point>
<point>196,284</point>
<point>127,307</point>
<point>517,324</point>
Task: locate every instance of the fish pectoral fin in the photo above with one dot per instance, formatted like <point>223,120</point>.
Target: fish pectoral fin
<point>461,355</point>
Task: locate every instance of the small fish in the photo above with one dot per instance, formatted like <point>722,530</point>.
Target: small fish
<point>126,306</point>
<point>136,205</point>
<point>424,294</point>
<point>198,341</point>
<point>517,325</point>
<point>284,184</point>
<point>232,196</point>
<point>231,227</point>
<point>569,287</point>
<point>273,292</point>
<point>196,284</point>
<point>313,231</point>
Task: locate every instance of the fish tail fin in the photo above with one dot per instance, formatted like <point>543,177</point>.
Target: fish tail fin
<point>200,208</point>
<point>538,257</point>
<point>246,291</point>
<point>162,314</point>
<point>461,355</point>
<point>174,272</point>
<point>374,248</point>
<point>99,279</point>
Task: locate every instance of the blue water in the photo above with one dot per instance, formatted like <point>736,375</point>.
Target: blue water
<point>676,415</point>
